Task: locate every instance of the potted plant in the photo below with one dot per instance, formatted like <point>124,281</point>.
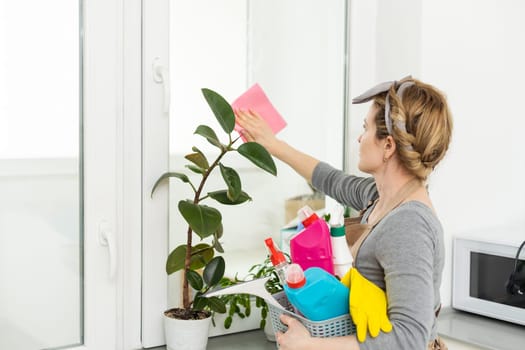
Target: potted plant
<point>241,304</point>
<point>205,222</point>
<point>273,286</point>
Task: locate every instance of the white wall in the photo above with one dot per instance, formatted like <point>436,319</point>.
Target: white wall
<point>473,51</point>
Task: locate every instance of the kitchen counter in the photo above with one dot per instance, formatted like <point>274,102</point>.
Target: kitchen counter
<point>483,332</point>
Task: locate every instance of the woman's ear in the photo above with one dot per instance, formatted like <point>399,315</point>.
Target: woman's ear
<point>390,146</point>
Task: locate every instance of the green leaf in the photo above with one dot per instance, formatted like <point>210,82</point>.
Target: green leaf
<point>216,243</point>
<point>233,181</point>
<point>201,254</point>
<point>262,324</point>
<point>198,159</point>
<point>196,150</point>
<point>258,155</point>
<point>209,134</point>
<point>196,169</point>
<point>221,108</point>
<point>165,176</point>
<point>175,260</point>
<point>214,271</point>
<point>199,303</point>
<point>221,196</point>
<point>220,231</point>
<point>248,308</point>
<point>228,322</point>
<point>217,246</point>
<point>203,220</point>
<point>231,310</point>
<point>216,304</point>
<point>194,279</point>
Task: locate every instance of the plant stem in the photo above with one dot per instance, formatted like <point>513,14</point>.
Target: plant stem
<point>187,260</point>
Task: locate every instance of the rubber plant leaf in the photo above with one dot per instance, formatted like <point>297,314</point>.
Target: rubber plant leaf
<point>194,279</point>
<point>175,260</point>
<point>199,302</point>
<point>201,254</point>
<point>221,108</point>
<point>222,197</point>
<point>217,246</point>
<point>214,271</point>
<point>203,220</point>
<point>232,180</point>
<point>196,169</point>
<point>216,243</point>
<point>165,176</point>
<point>198,159</point>
<point>209,134</point>
<point>258,155</point>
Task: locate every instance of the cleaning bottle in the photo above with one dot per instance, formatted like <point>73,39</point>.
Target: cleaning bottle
<point>315,293</point>
<point>278,260</point>
<point>341,256</point>
<point>312,247</point>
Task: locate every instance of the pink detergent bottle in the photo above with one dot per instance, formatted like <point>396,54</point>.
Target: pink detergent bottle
<point>312,246</point>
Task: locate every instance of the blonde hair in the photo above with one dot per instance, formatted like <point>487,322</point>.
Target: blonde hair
<point>428,121</point>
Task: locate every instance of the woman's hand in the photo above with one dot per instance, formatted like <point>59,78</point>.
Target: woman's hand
<point>296,337</point>
<point>256,129</point>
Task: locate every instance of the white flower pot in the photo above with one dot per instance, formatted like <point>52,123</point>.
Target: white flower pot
<point>186,334</point>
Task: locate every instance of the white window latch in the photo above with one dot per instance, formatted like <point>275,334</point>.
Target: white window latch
<point>106,238</point>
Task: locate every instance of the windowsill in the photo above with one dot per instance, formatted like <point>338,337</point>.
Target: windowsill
<point>467,328</point>
<point>253,340</point>
<point>484,332</point>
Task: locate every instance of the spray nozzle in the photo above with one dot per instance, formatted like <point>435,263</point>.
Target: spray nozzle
<point>276,256</point>
<point>337,216</point>
<point>306,215</point>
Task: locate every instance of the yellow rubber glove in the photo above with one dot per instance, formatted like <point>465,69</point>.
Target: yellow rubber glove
<point>367,305</point>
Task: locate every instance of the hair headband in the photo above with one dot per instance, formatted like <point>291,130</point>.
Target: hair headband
<point>385,87</point>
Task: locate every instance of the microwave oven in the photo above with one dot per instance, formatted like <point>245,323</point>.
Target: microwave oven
<point>482,281</point>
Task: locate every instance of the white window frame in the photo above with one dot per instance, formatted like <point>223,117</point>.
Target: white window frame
<point>155,133</point>
<point>112,173</point>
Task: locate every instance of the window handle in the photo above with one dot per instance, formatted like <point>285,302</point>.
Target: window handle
<point>106,238</point>
<point>161,76</point>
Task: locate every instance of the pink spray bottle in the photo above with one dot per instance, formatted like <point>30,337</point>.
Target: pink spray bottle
<point>312,247</point>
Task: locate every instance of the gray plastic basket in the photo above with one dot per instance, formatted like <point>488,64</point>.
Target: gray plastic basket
<point>334,327</point>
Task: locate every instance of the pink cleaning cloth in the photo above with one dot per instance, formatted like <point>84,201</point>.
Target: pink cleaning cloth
<point>255,99</point>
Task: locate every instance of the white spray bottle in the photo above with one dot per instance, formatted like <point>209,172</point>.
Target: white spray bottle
<point>340,252</point>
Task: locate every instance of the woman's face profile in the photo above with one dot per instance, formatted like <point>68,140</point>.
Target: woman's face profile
<point>370,150</point>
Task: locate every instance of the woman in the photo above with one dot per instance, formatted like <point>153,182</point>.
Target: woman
<point>406,133</point>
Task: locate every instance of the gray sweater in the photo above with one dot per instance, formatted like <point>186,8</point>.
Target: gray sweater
<point>403,255</point>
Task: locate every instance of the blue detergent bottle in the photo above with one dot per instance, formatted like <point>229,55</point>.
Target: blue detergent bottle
<point>315,293</point>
